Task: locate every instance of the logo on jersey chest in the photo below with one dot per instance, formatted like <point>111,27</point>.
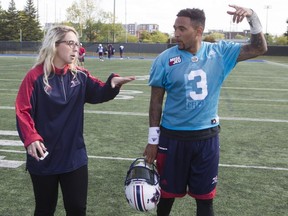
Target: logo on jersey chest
<point>175,60</point>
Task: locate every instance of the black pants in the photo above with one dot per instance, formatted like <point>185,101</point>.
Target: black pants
<point>74,186</point>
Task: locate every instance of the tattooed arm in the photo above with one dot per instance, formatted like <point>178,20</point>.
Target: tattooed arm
<point>258,45</point>
<point>155,113</point>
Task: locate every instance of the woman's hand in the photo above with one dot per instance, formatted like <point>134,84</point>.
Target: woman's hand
<point>119,81</point>
<point>34,147</point>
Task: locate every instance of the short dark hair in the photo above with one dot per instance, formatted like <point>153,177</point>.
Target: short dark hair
<point>196,15</point>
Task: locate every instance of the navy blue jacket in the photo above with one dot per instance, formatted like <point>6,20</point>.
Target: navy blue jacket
<point>54,116</point>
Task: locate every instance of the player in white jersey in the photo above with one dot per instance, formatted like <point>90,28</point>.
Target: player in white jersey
<point>184,137</point>
<point>100,50</point>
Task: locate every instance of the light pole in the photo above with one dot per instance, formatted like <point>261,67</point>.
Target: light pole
<point>114,22</point>
<point>267,7</point>
<point>126,27</point>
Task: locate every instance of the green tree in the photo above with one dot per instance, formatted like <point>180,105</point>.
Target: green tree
<point>159,37</point>
<point>218,36</point>
<point>282,40</point>
<point>145,37</point>
<point>29,24</point>
<point>91,32</point>
<point>12,27</point>
<point>3,23</point>
<point>238,36</point>
<point>269,39</point>
<point>81,15</point>
<point>123,38</point>
<point>209,38</point>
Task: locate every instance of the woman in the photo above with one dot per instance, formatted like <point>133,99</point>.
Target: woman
<point>49,115</point>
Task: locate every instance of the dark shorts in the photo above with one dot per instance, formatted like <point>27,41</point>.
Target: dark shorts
<point>188,167</point>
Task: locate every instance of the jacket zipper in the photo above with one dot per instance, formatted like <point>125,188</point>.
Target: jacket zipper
<point>63,87</point>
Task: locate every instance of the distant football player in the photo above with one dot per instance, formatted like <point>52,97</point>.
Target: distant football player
<point>100,51</point>
<point>121,51</point>
<point>82,53</point>
<point>184,136</point>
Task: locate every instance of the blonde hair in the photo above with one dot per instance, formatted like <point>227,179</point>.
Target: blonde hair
<point>48,50</point>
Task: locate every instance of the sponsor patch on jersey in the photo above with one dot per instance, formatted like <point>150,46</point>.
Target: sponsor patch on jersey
<point>48,89</point>
<point>74,82</point>
<point>175,60</point>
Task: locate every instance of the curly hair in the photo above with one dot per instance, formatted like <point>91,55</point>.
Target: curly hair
<point>197,16</point>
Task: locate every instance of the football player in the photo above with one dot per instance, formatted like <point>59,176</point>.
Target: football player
<point>184,136</point>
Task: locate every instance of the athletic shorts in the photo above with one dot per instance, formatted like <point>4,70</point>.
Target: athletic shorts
<point>188,167</point>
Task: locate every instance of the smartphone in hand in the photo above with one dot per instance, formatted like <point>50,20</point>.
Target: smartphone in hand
<point>45,155</point>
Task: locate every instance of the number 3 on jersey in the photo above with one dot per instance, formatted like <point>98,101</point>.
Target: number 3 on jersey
<point>201,84</point>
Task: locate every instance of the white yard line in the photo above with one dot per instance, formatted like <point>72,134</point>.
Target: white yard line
<point>146,114</point>
<point>256,89</point>
<point>278,64</point>
<point>132,159</point>
<point>8,133</point>
<point>10,143</point>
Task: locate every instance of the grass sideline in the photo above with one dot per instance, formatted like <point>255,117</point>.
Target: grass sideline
<point>253,112</point>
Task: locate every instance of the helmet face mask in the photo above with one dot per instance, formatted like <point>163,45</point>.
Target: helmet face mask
<point>142,188</point>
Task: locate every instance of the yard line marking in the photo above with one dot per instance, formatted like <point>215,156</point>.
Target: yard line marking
<point>10,143</point>
<point>8,133</point>
<point>221,165</point>
<point>254,119</point>
<point>221,118</point>
<point>7,107</point>
<point>14,80</point>
<point>111,158</point>
<point>256,89</point>
<point>146,114</point>
<point>278,64</point>
<point>10,163</point>
<point>13,151</point>
<point>254,99</point>
<point>223,87</point>
<point>132,159</point>
<point>116,113</point>
<point>254,167</point>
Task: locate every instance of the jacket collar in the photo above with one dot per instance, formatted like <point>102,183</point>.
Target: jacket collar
<point>62,71</point>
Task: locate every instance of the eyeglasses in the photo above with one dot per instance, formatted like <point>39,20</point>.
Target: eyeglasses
<point>72,44</point>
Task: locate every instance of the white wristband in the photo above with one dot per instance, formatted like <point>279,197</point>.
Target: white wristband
<point>153,135</point>
<point>254,22</point>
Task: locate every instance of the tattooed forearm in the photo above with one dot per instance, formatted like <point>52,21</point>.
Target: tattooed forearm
<point>259,43</point>
<point>258,46</point>
<point>155,110</point>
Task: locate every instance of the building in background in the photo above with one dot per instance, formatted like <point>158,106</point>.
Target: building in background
<point>135,29</point>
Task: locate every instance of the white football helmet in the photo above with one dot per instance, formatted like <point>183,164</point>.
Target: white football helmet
<point>142,188</point>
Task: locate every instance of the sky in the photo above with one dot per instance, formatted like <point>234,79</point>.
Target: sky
<point>163,12</point>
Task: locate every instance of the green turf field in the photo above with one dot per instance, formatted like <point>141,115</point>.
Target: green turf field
<point>253,175</point>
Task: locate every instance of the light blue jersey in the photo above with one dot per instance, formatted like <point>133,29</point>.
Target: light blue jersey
<point>193,83</point>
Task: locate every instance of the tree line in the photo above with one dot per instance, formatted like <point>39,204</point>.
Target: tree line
<point>93,25</point>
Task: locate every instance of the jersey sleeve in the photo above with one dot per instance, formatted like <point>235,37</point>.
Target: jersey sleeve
<point>230,52</point>
<point>24,109</point>
<point>98,91</point>
<point>157,73</point>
